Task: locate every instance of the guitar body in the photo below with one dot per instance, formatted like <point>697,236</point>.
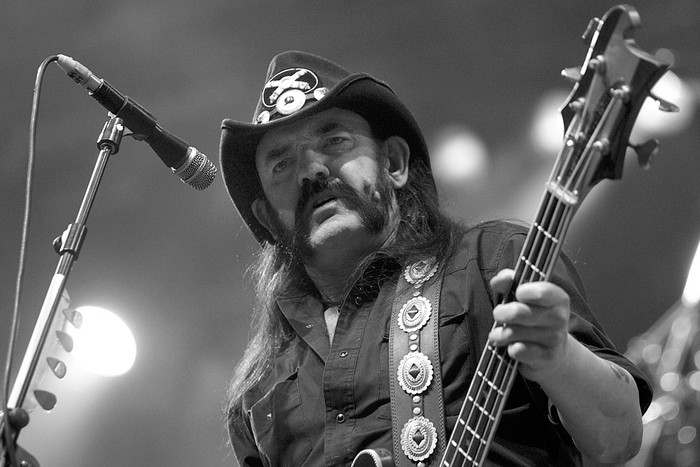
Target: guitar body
<point>373,458</point>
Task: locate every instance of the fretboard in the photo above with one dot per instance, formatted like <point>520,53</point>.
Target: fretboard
<point>471,438</point>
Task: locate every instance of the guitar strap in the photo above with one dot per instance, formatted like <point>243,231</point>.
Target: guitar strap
<point>417,408</point>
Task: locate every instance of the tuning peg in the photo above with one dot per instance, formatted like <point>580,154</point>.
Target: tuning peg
<point>572,74</point>
<point>46,400</point>
<point>74,317</point>
<point>646,152</point>
<point>18,417</point>
<point>57,366</point>
<point>664,105</point>
<point>66,340</point>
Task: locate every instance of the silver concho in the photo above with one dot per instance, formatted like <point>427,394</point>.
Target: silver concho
<point>263,117</point>
<point>418,438</point>
<point>320,93</point>
<point>419,272</point>
<point>299,79</point>
<point>415,372</point>
<point>290,101</point>
<point>414,314</point>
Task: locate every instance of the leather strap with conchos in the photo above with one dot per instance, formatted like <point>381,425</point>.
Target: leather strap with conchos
<point>417,408</point>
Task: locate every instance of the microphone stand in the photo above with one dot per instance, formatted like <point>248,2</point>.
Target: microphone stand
<point>68,247</point>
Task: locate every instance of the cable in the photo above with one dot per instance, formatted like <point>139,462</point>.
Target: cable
<point>9,445</point>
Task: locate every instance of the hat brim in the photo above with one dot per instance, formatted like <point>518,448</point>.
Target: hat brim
<point>370,98</point>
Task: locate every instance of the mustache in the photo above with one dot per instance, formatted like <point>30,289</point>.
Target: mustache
<point>335,188</point>
<point>295,240</point>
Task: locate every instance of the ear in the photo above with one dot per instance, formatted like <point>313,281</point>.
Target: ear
<point>398,154</point>
<point>261,213</point>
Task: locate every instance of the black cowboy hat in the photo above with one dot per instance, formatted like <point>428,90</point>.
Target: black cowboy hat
<point>298,85</point>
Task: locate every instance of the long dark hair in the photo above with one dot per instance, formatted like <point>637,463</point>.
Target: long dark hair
<point>423,231</point>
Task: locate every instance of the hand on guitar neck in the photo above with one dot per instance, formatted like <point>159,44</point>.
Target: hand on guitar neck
<point>534,326</point>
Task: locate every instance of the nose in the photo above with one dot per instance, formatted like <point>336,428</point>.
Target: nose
<point>312,165</point>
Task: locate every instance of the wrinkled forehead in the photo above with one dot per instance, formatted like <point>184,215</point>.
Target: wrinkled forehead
<point>279,139</point>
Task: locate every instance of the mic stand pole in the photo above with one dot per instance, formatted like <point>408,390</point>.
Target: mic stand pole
<point>68,247</point>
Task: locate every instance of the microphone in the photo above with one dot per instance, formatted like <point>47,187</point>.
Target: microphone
<point>188,163</point>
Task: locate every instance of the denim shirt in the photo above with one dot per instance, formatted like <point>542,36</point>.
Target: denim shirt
<point>322,403</point>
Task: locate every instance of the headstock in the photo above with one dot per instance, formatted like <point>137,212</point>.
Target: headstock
<point>612,84</point>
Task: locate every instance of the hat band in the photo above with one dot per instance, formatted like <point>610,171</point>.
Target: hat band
<point>289,102</point>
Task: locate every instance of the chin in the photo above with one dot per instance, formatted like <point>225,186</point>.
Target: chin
<point>339,233</point>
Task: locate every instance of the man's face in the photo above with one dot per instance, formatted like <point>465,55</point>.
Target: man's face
<point>326,184</point>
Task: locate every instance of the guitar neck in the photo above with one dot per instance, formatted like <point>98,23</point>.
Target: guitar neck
<point>478,419</point>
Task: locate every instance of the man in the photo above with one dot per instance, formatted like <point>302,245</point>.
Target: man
<point>373,307</point>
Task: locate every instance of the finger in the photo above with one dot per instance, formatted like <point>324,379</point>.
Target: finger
<point>544,337</point>
<point>511,313</point>
<point>530,356</point>
<point>501,282</point>
<point>542,294</point>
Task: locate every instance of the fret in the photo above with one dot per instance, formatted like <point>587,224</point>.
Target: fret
<point>476,436</point>
<point>483,410</point>
<point>532,267</point>
<point>466,455</point>
<point>546,233</point>
<point>490,383</point>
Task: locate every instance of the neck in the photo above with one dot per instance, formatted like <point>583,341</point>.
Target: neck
<point>335,272</point>
<point>332,277</point>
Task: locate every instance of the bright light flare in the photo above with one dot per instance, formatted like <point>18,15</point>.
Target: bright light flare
<point>691,292</point>
<point>460,156</point>
<point>547,130</point>
<point>653,122</point>
<point>104,344</point>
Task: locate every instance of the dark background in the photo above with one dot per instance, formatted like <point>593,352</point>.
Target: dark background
<point>171,260</point>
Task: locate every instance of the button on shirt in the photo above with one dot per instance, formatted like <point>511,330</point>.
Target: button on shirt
<point>322,403</point>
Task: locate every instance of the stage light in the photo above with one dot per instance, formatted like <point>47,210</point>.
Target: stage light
<point>653,122</point>
<point>459,156</point>
<point>104,344</point>
<point>547,131</point>
<point>691,292</point>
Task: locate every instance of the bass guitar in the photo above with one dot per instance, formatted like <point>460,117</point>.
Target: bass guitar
<point>610,87</point>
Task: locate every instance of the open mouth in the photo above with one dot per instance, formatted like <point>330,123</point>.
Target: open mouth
<point>321,200</point>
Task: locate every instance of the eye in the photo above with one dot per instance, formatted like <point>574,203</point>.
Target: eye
<point>281,165</point>
<point>337,143</point>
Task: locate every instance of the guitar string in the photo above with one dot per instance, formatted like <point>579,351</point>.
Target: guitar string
<point>484,368</point>
<point>547,243</point>
<point>494,396</point>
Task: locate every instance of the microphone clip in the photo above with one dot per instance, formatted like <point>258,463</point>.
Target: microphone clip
<point>111,135</point>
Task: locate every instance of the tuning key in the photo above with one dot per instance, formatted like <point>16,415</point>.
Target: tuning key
<point>664,105</point>
<point>74,317</point>
<point>646,152</point>
<point>46,400</point>
<point>57,366</point>
<point>66,340</point>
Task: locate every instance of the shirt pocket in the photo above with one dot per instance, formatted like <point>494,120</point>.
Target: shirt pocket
<point>456,339</point>
<point>384,378</point>
<point>276,419</point>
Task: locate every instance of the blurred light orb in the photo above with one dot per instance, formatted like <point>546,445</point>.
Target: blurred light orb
<point>691,292</point>
<point>547,130</point>
<point>459,156</point>
<point>653,122</point>
<point>104,344</point>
